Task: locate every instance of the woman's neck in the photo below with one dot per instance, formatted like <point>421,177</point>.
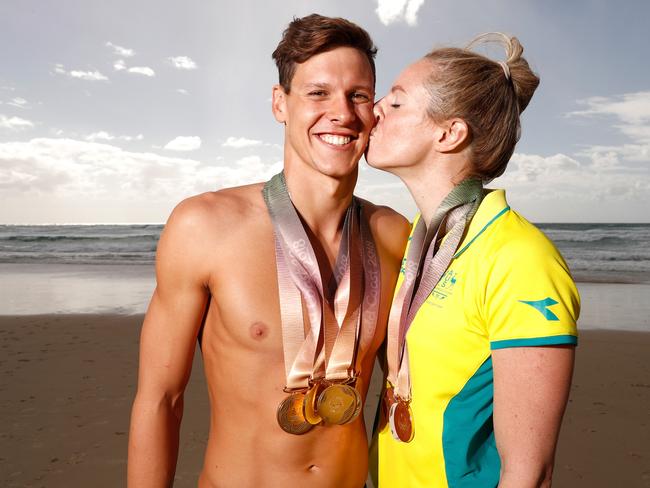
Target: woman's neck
<point>429,183</point>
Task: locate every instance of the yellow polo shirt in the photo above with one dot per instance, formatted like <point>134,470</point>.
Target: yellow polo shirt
<point>506,286</point>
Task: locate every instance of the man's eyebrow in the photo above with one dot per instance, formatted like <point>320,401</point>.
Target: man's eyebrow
<point>395,88</point>
<point>316,85</point>
<point>364,87</point>
<point>327,86</point>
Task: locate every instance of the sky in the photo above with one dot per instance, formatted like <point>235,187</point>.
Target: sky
<point>113,112</point>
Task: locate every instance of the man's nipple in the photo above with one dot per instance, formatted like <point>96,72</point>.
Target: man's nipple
<point>259,331</point>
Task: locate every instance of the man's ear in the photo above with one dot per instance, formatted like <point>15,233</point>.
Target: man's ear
<point>451,135</point>
<point>279,103</point>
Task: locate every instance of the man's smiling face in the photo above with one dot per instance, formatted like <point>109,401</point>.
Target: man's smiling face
<point>328,111</point>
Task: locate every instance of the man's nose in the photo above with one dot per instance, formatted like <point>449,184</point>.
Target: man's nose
<point>342,110</point>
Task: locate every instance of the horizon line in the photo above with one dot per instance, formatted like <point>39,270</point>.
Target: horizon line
<point>163,223</point>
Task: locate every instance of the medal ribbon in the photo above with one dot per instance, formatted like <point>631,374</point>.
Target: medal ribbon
<point>454,213</point>
<point>299,276</point>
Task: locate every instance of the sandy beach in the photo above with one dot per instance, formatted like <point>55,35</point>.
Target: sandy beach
<point>67,382</point>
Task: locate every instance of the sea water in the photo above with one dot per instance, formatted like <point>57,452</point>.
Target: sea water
<point>109,269</point>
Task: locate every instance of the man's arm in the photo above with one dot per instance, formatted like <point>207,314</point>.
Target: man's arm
<point>531,388</point>
<point>167,345</point>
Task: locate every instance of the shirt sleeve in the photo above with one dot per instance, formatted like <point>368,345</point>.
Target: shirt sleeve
<point>530,297</point>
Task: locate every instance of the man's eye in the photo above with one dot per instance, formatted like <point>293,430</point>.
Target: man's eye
<point>395,105</point>
<point>317,93</point>
<point>360,97</point>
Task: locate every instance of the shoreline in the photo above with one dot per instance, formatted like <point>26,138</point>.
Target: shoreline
<point>67,383</point>
<point>147,269</point>
<point>609,301</point>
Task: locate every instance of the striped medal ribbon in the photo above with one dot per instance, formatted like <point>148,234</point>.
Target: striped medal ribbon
<point>430,253</point>
<point>320,348</point>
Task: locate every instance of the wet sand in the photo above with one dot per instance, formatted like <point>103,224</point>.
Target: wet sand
<point>67,383</point>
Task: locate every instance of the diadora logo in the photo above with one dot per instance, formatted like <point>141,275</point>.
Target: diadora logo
<point>445,287</point>
<point>542,306</point>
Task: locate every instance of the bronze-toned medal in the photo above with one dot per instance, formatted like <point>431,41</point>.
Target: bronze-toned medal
<point>337,404</point>
<point>325,326</point>
<point>401,421</point>
<point>290,414</point>
<point>387,402</point>
<point>309,407</point>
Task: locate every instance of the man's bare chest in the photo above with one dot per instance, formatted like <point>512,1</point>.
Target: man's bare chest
<point>244,303</point>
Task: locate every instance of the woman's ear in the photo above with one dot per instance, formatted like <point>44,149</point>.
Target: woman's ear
<point>451,135</point>
<point>279,103</point>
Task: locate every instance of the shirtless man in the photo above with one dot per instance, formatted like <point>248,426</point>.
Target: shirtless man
<point>216,267</point>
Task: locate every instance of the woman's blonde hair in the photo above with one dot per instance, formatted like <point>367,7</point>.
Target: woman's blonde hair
<point>488,95</point>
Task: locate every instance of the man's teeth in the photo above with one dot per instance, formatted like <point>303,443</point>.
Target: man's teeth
<point>336,140</point>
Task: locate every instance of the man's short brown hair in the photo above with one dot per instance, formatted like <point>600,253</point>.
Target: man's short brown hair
<point>307,36</point>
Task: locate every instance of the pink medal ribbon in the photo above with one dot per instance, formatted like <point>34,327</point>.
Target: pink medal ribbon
<point>424,265</point>
<point>341,317</point>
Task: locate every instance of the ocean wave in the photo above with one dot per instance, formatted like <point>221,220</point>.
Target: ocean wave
<point>612,266</point>
<point>60,238</point>
<point>144,257</point>
<point>600,236</point>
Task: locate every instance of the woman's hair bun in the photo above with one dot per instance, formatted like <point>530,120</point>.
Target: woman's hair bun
<point>515,66</point>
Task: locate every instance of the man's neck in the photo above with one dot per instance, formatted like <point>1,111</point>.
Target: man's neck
<point>321,200</point>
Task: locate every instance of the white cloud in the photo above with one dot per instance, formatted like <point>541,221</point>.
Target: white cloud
<point>100,136</point>
<point>240,142</point>
<point>182,91</point>
<point>82,75</point>
<point>390,11</point>
<point>142,70</point>
<point>631,111</point>
<point>121,51</point>
<point>88,75</point>
<point>184,143</point>
<point>119,65</point>
<point>639,133</point>
<point>549,179</point>
<point>70,170</point>
<point>630,108</point>
<point>625,155</point>
<point>139,137</point>
<point>14,123</point>
<point>18,102</point>
<point>182,62</point>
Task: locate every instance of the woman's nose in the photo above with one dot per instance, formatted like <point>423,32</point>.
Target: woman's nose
<point>377,110</point>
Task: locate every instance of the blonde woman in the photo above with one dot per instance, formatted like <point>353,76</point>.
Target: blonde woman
<point>482,329</point>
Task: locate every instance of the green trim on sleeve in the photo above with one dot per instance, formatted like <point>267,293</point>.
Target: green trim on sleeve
<point>481,231</point>
<point>535,341</point>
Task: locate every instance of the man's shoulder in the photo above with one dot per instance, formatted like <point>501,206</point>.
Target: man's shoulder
<point>383,215</point>
<point>390,228</point>
<point>219,209</point>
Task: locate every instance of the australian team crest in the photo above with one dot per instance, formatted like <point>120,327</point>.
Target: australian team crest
<point>444,289</point>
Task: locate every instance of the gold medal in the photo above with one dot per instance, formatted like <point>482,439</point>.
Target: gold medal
<point>337,404</point>
<point>290,414</point>
<point>309,406</point>
<point>357,410</point>
<point>401,421</point>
